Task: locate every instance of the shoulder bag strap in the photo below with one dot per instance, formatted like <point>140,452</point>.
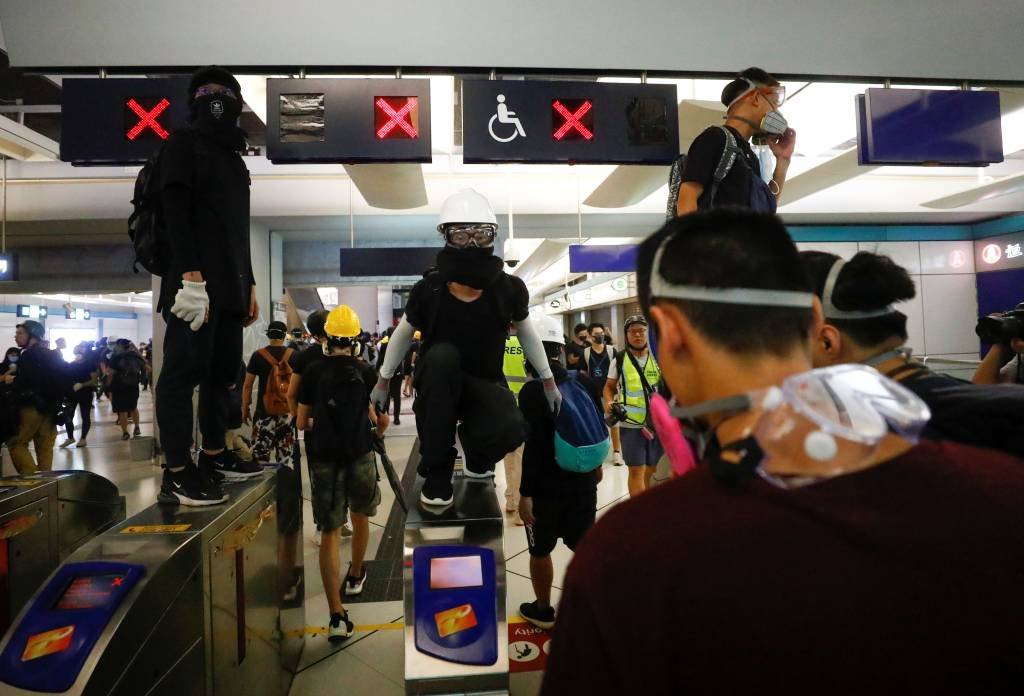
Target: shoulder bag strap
<point>729,153</point>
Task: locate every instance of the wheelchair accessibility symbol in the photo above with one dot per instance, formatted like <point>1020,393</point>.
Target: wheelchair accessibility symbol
<point>507,117</point>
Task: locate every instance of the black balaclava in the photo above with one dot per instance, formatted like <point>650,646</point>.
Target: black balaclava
<point>474,266</point>
<point>216,115</point>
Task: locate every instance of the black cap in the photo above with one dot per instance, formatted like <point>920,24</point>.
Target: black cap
<point>277,327</point>
<point>212,74</point>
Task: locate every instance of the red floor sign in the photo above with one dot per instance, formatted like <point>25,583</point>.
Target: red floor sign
<point>528,647</point>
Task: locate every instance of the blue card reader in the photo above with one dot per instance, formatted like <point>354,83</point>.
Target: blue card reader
<point>55,636</point>
<point>455,602</point>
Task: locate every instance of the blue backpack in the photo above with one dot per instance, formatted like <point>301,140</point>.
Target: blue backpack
<point>581,437</point>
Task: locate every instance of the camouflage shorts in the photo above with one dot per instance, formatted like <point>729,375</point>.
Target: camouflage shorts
<point>339,487</point>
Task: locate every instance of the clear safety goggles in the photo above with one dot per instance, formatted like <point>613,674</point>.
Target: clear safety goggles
<point>823,423</point>
<point>776,95</point>
<point>219,90</point>
<point>462,236</point>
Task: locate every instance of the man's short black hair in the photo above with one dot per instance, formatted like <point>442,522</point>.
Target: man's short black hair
<point>596,325</point>
<point>867,282</point>
<point>315,323</point>
<point>731,248</point>
<point>579,327</point>
<point>739,85</point>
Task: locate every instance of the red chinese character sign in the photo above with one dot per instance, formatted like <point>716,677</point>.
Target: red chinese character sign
<point>396,117</point>
<point>142,117</point>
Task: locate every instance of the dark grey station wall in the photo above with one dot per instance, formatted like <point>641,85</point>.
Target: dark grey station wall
<point>897,38</point>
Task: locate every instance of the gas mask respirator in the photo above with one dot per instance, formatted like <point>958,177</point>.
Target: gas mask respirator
<point>773,122</point>
<point>815,425</point>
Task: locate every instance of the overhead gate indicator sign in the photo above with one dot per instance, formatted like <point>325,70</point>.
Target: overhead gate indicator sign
<point>569,122</point>
<point>119,120</point>
<point>348,120</point>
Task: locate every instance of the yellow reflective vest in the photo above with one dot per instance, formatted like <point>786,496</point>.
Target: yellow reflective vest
<point>515,365</point>
<point>633,387</point>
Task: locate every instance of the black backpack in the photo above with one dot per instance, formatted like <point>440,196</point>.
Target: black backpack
<point>341,430</point>
<point>129,370</point>
<point>146,224</point>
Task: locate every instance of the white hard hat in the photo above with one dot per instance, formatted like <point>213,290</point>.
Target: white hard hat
<point>466,206</point>
<point>549,328</point>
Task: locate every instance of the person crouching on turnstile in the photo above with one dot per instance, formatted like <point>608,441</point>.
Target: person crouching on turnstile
<point>554,503</point>
<point>334,410</point>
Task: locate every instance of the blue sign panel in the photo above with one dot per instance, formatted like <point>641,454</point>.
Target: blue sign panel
<point>602,259</point>
<point>922,127</point>
<point>8,266</point>
<point>388,261</point>
<point>119,120</point>
<point>569,122</point>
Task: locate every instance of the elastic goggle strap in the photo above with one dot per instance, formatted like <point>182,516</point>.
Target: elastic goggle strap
<point>832,312</point>
<point>757,297</point>
<point>752,86</point>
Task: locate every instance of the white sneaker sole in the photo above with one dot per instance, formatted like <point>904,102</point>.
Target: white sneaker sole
<point>436,502</point>
<point>474,475</point>
<point>182,499</point>
<point>356,592</point>
<point>339,634</point>
<point>546,625</point>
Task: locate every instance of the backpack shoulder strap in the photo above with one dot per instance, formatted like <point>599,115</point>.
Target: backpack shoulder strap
<point>729,154</point>
<point>265,354</point>
<point>586,356</point>
<point>286,358</point>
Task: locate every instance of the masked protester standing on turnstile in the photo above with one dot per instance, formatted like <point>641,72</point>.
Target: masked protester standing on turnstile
<point>464,307</point>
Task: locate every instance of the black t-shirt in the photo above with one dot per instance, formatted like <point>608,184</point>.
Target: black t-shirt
<point>574,356</point>
<point>478,329</point>
<point>302,360</point>
<point>261,368</point>
<point>81,370</point>
<point>205,197</point>
<point>904,578</point>
<point>542,477</point>
<point>702,161</point>
<point>312,394</point>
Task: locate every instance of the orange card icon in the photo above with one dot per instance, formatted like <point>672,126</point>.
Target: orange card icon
<point>48,643</point>
<point>452,621</point>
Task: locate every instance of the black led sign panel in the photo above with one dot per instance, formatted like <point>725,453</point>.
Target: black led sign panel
<point>119,121</point>
<point>348,120</point>
<point>569,122</point>
<point>389,261</point>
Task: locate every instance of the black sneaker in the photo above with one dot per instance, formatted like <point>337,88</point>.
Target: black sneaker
<point>208,470</point>
<point>541,618</point>
<point>340,627</point>
<point>353,585</point>
<point>437,489</point>
<point>187,487</point>
<point>137,432</point>
<point>230,466</point>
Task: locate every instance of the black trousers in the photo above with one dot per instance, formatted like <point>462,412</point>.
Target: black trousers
<point>81,400</point>
<point>207,358</point>
<point>395,395</point>
<point>491,423</point>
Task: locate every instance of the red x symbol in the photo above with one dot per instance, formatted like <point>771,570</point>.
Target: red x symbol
<point>396,118</point>
<point>572,120</point>
<point>147,119</point>
<point>116,582</point>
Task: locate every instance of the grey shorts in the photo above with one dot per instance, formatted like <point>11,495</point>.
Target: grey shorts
<point>337,488</point>
<point>637,450</point>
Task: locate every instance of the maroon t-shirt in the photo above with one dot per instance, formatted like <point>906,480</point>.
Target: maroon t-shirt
<point>904,578</point>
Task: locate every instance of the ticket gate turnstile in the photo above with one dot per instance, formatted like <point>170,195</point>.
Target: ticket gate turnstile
<point>175,601</point>
<point>456,631</point>
<point>43,519</point>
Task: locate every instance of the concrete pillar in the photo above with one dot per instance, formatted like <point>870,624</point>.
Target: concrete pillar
<point>385,312</point>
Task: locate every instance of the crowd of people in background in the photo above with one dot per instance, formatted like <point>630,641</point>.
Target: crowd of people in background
<point>40,392</point>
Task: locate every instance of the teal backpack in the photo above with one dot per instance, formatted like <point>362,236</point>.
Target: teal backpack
<point>581,436</point>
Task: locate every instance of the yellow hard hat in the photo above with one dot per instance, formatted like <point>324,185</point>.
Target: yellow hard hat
<point>342,322</point>
<point>416,336</point>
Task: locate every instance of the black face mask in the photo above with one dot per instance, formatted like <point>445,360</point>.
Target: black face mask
<point>217,115</point>
<point>475,267</point>
<point>734,463</point>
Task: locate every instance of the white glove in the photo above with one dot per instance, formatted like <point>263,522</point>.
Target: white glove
<point>553,396</point>
<point>191,304</point>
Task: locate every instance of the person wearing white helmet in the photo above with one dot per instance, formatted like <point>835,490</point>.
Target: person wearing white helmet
<point>463,308</point>
<point>554,503</point>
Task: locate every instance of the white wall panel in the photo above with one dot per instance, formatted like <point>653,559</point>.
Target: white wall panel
<point>951,311</point>
<point>914,309</point>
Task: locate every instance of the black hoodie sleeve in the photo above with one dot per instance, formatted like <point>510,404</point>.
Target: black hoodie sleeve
<point>540,446</point>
